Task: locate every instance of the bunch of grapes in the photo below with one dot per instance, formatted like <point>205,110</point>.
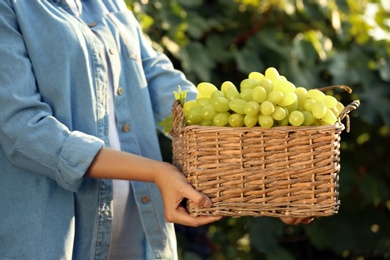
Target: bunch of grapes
<point>265,100</point>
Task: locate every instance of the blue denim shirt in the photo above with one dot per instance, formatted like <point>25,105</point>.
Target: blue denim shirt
<point>53,121</point>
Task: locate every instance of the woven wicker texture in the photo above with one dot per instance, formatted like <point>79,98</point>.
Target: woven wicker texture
<point>282,171</point>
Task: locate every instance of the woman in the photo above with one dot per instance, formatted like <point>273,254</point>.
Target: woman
<point>81,173</point>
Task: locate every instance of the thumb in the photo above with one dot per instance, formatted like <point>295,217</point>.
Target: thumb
<point>197,197</point>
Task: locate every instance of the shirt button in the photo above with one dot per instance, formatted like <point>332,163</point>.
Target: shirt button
<point>145,199</point>
<point>92,24</point>
<point>120,91</point>
<point>126,128</point>
<point>112,51</point>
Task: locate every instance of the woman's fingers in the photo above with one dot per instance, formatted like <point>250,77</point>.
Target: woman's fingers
<point>296,221</point>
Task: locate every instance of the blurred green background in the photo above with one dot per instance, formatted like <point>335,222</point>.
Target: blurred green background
<point>314,43</point>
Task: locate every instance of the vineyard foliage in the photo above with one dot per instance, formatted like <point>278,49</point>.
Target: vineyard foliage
<point>314,43</point>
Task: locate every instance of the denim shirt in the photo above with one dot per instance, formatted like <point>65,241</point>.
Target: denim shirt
<point>54,120</point>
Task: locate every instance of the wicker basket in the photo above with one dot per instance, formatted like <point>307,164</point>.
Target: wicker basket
<point>281,171</point>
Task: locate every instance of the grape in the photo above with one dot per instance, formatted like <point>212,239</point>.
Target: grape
<point>329,117</point>
<point>284,86</point>
<point>293,106</point>
<point>315,94</point>
<point>340,107</point>
<point>296,118</point>
<point>301,95</point>
<point>319,109</point>
<point>238,105</point>
<point>266,121</point>
<point>309,118</point>
<point>259,94</point>
<point>267,84</point>
<point>201,102</point>
<point>279,114</point>
<point>221,119</point>
<point>205,89</point>
<point>250,121</point>
<point>246,94</point>
<point>228,85</point>
<point>194,116</point>
<point>208,112</point>
<point>188,106</point>
<point>267,108</point>
<point>221,104</point>
<point>329,101</point>
<point>288,99</point>
<point>252,108</point>
<point>248,84</point>
<point>236,120</point>
<point>206,123</point>
<point>272,74</point>
<point>308,104</point>
<point>232,94</point>
<point>284,122</point>
<point>217,93</point>
<point>256,75</point>
<point>275,96</point>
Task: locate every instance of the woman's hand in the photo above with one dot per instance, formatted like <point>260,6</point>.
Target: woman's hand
<point>174,188</point>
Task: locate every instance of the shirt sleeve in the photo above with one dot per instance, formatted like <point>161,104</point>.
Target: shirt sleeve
<point>30,136</point>
<point>163,79</point>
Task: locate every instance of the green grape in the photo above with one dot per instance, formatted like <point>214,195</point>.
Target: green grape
<point>275,96</point>
<point>284,86</point>
<point>201,102</point>
<point>208,112</point>
<point>340,107</point>
<point>315,94</point>
<point>232,94</point>
<point>250,121</point>
<point>329,101</point>
<point>256,75</point>
<point>308,104</point>
<point>206,123</point>
<point>221,119</point>
<point>221,104</point>
<point>272,74</point>
<point>319,109</point>
<point>279,114</point>
<point>194,116</point>
<point>199,96</point>
<point>288,99</point>
<point>283,122</point>
<point>301,93</point>
<point>329,117</point>
<point>238,105</point>
<point>267,84</point>
<point>259,94</point>
<point>293,106</point>
<point>236,120</point>
<point>246,94</point>
<point>252,108</point>
<point>228,85</point>
<point>309,118</point>
<point>248,84</point>
<point>188,105</point>
<point>205,89</point>
<point>296,118</point>
<point>217,93</point>
<point>266,121</point>
<point>267,108</point>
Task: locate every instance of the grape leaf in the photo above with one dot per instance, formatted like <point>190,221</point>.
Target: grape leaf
<point>167,123</point>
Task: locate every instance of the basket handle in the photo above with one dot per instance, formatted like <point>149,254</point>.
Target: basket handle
<point>344,114</point>
<point>178,118</point>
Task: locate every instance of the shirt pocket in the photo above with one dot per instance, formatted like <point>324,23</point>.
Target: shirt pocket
<point>128,31</point>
